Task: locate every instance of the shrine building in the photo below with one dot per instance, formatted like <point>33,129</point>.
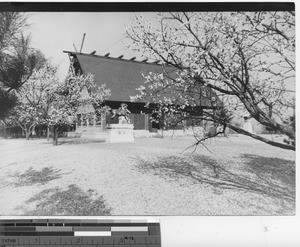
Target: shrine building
<point>122,77</point>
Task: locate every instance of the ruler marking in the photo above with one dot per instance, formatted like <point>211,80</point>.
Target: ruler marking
<point>80,233</point>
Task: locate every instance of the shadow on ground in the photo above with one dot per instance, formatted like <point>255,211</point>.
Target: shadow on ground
<point>35,177</point>
<point>72,201</point>
<point>270,177</point>
<point>80,141</point>
<point>273,172</point>
<point>72,141</point>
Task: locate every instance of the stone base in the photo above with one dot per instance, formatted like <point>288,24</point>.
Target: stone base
<point>120,133</point>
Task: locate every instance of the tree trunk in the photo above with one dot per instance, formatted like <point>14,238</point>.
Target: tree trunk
<point>162,124</point>
<point>27,132</point>
<point>5,132</point>
<point>55,136</point>
<point>48,133</point>
<point>272,143</point>
<point>264,119</point>
<point>27,135</point>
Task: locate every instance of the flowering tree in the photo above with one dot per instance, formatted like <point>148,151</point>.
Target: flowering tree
<point>34,99</point>
<point>43,99</point>
<point>246,60</point>
<point>68,95</point>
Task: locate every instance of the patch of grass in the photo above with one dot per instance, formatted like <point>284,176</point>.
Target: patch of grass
<point>72,201</point>
<point>34,177</point>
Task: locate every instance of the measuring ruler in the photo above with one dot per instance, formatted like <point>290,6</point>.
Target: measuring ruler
<point>80,233</point>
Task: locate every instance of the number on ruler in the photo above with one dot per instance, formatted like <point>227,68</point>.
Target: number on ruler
<point>129,240</point>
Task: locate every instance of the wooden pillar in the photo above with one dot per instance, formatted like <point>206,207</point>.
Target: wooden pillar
<point>146,121</point>
<point>82,119</point>
<point>103,121</point>
<point>78,120</point>
<point>87,120</point>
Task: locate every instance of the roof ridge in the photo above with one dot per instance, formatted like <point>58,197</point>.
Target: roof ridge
<point>120,58</point>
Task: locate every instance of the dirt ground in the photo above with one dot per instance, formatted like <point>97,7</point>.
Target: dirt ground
<point>152,176</point>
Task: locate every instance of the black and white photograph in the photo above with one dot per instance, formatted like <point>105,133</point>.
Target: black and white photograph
<point>146,112</point>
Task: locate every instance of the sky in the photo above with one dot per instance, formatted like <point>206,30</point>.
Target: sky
<point>54,32</point>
